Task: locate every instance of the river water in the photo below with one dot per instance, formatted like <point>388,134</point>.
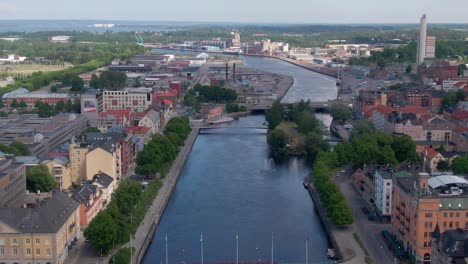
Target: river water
<point>230,186</point>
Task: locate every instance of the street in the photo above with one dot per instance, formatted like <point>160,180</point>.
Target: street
<point>369,231</point>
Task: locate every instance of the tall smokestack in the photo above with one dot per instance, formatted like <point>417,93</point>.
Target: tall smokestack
<point>227,71</point>
<point>234,71</point>
<point>422,41</point>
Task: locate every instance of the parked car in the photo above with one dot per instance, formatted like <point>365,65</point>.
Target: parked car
<point>364,209</point>
<point>371,218</point>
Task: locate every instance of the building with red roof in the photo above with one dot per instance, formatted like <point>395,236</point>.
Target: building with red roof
<point>159,96</point>
<point>143,133</point>
<point>113,118</point>
<point>460,118</point>
<point>431,158</point>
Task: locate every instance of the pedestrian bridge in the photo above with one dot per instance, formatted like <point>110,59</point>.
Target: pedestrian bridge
<point>235,127</point>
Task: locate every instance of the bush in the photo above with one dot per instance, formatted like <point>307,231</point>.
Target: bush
<point>121,257</point>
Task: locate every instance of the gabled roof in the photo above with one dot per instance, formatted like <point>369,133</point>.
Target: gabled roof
<point>103,179</point>
<point>47,217</point>
<point>430,153</point>
<point>84,193</point>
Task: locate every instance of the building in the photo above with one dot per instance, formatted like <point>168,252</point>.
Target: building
<point>143,133</point>
<point>12,58</point>
<point>112,118</point>
<point>212,112</point>
<point>90,198</point>
<point>105,158</point>
<point>132,99</point>
<point>383,191</point>
<point>107,185</point>
<point>450,246</point>
<point>12,183</point>
<point>151,120</point>
<point>43,233</point>
<point>420,203</point>
<point>60,169</point>
<point>23,95</point>
<point>77,157</point>
<point>421,54</point>
<point>59,39</point>
<point>431,158</point>
<point>364,181</point>
<point>41,135</point>
<point>91,105</point>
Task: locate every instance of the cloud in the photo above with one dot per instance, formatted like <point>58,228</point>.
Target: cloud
<point>7,8</point>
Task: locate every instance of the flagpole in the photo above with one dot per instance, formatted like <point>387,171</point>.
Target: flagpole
<point>167,255</point>
<point>307,249</point>
<point>272,247</point>
<point>237,248</point>
<point>201,247</point>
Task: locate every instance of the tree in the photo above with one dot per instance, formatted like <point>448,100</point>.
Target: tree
<point>14,103</point>
<point>460,165</point>
<point>60,106</point>
<point>102,232</point>
<point>274,115</point>
<point>77,84</point>
<point>137,83</point>
<point>19,149</point>
<point>38,178</point>
<point>443,165</point>
<point>460,95</point>
<point>408,69</point>
<point>94,83</point>
<point>340,112</point>
<point>307,123</point>
<point>404,148</point>
<point>69,106</point>
<point>278,141</point>
<point>23,104</point>
<point>450,99</point>
<point>362,127</point>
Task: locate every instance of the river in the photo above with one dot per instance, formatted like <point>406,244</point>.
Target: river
<point>229,186</point>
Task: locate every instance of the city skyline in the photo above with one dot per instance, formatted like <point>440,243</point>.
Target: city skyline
<point>296,11</point>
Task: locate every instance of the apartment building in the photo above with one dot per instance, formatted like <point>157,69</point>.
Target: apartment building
<point>383,191</point>
<point>133,99</point>
<point>12,183</point>
<point>43,233</point>
<point>60,169</point>
<point>450,246</point>
<point>90,198</point>
<point>41,135</point>
<point>421,203</point>
<point>91,105</point>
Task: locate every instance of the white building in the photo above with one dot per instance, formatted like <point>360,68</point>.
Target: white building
<point>133,99</point>
<point>12,58</point>
<point>383,191</point>
<point>59,39</point>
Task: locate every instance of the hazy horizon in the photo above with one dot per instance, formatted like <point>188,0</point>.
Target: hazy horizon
<point>242,11</point>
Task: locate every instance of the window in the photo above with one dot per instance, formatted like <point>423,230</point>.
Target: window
<point>445,214</point>
<point>15,252</point>
<point>425,234</point>
<point>47,251</point>
<point>457,214</point>
<point>15,242</point>
<point>451,214</point>
<point>450,224</point>
<point>38,241</point>
<point>388,183</point>
<point>46,241</point>
<point>444,224</point>
<point>457,225</point>
<point>28,251</point>
<point>2,251</point>
<point>38,251</point>
<point>428,215</point>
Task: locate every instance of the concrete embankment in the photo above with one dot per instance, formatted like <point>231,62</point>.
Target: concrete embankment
<point>326,223</point>
<point>145,232</point>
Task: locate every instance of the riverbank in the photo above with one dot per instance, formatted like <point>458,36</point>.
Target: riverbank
<point>144,234</point>
<point>341,238</point>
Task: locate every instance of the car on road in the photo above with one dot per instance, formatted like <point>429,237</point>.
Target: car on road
<point>371,218</point>
<point>364,209</point>
<point>343,171</point>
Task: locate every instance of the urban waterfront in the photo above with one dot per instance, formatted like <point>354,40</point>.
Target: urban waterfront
<point>229,186</point>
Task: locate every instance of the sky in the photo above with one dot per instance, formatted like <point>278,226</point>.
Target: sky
<point>258,11</point>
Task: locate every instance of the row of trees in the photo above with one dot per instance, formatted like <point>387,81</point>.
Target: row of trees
<point>214,94</point>
<point>16,148</point>
<point>368,147</point>
<point>108,80</point>
<point>129,203</point>
<point>161,150</point>
<point>451,98</point>
<point>458,166</point>
<point>123,215</point>
<point>330,196</point>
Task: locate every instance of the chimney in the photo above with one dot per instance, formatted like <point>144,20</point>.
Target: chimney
<point>227,70</point>
<point>234,71</point>
<point>423,178</point>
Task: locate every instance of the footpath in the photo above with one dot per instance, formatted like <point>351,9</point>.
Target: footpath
<point>147,228</point>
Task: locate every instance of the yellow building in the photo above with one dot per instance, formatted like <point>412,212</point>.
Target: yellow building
<point>77,155</point>
<point>60,168</point>
<point>43,234</point>
<point>104,159</point>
